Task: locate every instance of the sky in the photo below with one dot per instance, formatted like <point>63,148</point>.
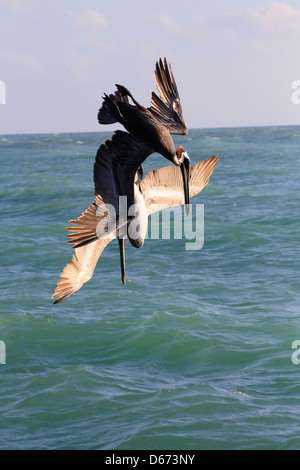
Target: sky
<point>234,61</point>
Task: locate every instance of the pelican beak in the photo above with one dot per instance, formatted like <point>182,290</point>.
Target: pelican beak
<point>122,241</point>
<point>185,171</point>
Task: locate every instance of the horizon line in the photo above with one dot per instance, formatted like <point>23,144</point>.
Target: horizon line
<point>113,130</point>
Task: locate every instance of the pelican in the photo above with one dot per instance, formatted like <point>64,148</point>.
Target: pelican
<point>152,126</point>
<point>114,164</point>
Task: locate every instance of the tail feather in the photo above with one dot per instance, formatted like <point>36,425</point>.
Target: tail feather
<point>109,113</point>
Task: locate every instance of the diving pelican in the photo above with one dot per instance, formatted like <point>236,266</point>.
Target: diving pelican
<point>95,228</point>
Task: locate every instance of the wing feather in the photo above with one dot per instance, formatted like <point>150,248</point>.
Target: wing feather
<point>167,107</point>
<point>91,224</point>
<point>116,164</point>
<point>201,174</point>
<point>163,188</point>
<point>79,270</point>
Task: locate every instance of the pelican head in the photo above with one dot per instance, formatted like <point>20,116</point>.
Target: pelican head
<point>185,163</point>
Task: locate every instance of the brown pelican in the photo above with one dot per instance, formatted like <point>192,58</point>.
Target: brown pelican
<point>151,126</point>
<point>112,175</point>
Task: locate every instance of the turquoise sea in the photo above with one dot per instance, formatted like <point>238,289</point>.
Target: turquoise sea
<point>198,351</point>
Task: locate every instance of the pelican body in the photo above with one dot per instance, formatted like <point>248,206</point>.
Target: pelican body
<point>117,173</point>
<point>138,225</point>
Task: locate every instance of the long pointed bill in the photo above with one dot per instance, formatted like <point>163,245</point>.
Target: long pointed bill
<point>185,171</point>
<point>122,257</point>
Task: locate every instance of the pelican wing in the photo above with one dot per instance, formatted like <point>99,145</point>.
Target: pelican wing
<point>80,270</point>
<point>167,108</point>
<point>114,173</point>
<point>125,154</point>
<point>201,174</point>
<point>97,222</point>
<point>163,188</point>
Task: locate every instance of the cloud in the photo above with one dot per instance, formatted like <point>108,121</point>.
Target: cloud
<point>96,44</point>
<point>169,24</point>
<point>28,63</point>
<point>15,5</point>
<point>31,63</point>
<point>171,27</point>
<point>89,20</point>
<point>277,18</point>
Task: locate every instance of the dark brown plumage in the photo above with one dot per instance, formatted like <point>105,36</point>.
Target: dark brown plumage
<point>151,126</point>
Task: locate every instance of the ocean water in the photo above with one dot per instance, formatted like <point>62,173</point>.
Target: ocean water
<point>198,350</point>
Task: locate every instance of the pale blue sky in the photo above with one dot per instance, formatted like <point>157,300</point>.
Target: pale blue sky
<point>234,61</point>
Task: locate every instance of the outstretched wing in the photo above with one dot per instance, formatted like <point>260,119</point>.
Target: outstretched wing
<point>80,270</point>
<point>167,108</point>
<point>116,164</point>
<point>96,222</point>
<point>163,188</point>
<point>125,154</point>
